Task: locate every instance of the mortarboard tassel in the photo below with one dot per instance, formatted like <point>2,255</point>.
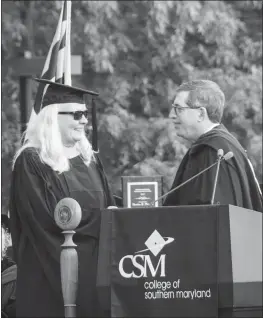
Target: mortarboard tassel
<point>94,126</point>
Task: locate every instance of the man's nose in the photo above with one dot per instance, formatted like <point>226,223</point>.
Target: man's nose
<point>172,114</point>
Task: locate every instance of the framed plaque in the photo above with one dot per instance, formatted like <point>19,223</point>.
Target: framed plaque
<point>141,191</point>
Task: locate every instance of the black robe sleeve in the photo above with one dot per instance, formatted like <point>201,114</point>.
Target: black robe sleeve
<point>32,204</point>
<point>111,199</point>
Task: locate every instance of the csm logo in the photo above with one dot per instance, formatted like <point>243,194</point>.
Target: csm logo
<point>139,265</point>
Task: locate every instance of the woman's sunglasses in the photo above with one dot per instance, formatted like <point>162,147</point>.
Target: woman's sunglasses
<point>77,115</point>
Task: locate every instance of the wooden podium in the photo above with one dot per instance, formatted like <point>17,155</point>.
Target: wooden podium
<point>185,261</point>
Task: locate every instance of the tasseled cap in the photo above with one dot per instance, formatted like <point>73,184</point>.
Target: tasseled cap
<point>61,93</point>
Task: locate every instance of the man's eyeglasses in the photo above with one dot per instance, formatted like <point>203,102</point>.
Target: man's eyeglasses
<point>180,108</point>
<point>77,114</point>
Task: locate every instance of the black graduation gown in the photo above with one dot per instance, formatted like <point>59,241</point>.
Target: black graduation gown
<point>35,191</point>
<point>236,182</point>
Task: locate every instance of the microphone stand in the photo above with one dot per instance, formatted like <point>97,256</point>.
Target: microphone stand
<point>221,156</point>
<point>215,183</point>
<point>226,157</point>
<point>189,180</point>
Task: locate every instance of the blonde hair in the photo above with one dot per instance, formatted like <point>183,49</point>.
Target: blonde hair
<point>6,241</point>
<point>43,134</point>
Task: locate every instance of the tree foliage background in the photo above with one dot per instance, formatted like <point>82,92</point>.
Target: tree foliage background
<point>135,54</point>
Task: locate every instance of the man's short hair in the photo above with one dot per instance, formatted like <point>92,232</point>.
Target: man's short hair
<point>207,94</point>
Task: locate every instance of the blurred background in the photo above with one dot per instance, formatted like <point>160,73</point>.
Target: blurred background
<point>135,54</point>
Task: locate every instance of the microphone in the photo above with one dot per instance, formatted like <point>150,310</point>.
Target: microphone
<point>228,156</point>
<point>220,153</point>
<point>220,157</point>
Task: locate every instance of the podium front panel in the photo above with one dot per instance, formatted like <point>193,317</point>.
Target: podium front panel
<point>161,265</point>
<point>246,250</point>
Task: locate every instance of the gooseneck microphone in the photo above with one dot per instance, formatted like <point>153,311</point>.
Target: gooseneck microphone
<point>220,157</point>
<point>228,156</point>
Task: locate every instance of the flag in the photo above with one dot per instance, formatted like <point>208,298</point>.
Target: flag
<point>57,66</point>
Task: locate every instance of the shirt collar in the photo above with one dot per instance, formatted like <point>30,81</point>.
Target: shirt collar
<point>211,127</point>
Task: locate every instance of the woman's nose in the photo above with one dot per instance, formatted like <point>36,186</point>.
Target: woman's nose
<point>83,120</point>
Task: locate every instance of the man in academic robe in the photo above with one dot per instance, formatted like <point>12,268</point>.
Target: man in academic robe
<point>196,114</point>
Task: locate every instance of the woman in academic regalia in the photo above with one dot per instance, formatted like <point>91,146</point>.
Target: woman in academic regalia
<point>56,161</point>
<point>8,272</point>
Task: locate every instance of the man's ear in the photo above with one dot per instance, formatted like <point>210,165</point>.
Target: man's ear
<point>202,114</point>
